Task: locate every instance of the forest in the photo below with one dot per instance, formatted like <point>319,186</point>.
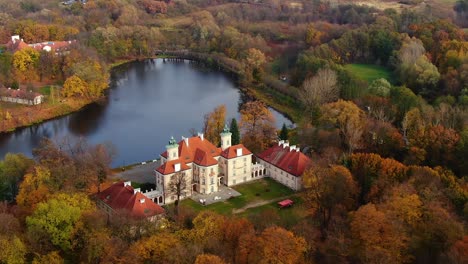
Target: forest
<point>378,92</point>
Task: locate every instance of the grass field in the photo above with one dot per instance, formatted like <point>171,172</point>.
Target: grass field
<point>257,191</point>
<point>370,72</point>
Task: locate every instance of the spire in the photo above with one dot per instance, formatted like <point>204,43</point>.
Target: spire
<point>226,129</point>
<point>172,141</point>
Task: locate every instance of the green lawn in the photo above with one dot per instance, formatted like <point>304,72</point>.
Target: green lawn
<point>370,72</point>
<point>286,217</point>
<point>259,190</point>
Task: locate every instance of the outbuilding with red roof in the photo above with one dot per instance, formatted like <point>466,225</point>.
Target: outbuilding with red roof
<point>285,164</point>
<point>121,196</point>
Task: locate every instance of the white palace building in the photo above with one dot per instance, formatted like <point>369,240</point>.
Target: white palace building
<point>205,167</point>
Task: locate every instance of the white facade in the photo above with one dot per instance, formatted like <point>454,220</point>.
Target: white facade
<point>282,176</point>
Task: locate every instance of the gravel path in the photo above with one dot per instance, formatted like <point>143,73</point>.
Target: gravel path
<point>257,204</point>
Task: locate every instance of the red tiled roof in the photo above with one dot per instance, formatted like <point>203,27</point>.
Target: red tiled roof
<point>169,167</point>
<point>187,153</point>
<point>286,159</point>
<point>204,159</point>
<point>119,197</point>
<point>14,93</point>
<point>231,152</point>
<point>54,45</point>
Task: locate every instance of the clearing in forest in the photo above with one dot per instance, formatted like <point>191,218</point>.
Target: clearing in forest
<point>370,72</point>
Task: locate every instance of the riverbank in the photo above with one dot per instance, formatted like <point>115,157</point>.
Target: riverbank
<point>19,116</point>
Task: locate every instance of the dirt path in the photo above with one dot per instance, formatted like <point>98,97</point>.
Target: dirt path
<point>257,204</point>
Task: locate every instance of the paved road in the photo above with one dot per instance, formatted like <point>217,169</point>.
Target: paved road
<point>141,173</point>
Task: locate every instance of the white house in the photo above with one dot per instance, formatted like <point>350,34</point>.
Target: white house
<point>20,96</point>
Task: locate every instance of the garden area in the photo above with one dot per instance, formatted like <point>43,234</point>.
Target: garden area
<point>254,194</point>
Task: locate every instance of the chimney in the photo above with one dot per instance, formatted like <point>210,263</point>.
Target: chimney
<point>200,135</point>
<point>136,190</point>
<point>280,142</point>
<point>292,148</point>
<point>286,144</point>
<point>142,200</point>
<point>239,152</point>
<point>185,140</point>
<point>177,167</point>
<point>127,183</point>
<point>298,150</point>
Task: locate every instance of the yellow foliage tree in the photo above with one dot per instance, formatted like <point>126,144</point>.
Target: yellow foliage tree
<point>214,123</point>
<point>74,86</point>
<point>208,259</point>
<point>156,248</point>
<point>12,250</point>
<point>25,64</point>
<point>348,118</point>
<point>33,189</point>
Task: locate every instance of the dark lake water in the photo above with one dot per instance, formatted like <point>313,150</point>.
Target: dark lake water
<point>147,103</point>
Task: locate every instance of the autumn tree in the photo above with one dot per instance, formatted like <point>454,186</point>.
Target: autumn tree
<point>274,245</point>
<point>25,64</point>
<point>214,123</point>
<point>209,259</point>
<point>234,129</point>
<point>320,89</point>
<point>13,250</point>
<point>52,257</point>
<point>327,189</point>
<point>158,248</point>
<point>254,60</point>
<point>34,188</point>
<point>348,119</point>
<point>257,126</point>
<point>375,238</point>
<point>74,86</point>
<point>232,231</point>
<point>12,169</point>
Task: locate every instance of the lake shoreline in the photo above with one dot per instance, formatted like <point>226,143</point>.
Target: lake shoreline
<point>51,112</point>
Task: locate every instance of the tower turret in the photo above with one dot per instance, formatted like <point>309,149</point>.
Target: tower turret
<point>172,149</point>
<point>225,138</point>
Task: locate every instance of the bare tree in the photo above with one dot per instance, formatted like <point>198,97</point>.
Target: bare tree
<point>177,186</point>
<point>319,89</point>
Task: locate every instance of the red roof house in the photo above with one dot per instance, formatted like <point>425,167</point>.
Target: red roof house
<point>283,162</point>
<point>122,196</point>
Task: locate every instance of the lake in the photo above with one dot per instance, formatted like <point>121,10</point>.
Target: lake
<point>147,103</point>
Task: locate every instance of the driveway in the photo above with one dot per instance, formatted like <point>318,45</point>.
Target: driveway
<point>140,173</point>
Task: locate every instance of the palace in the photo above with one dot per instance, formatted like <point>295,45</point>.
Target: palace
<point>196,165</point>
<point>203,166</point>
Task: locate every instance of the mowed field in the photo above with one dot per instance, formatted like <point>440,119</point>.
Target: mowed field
<point>370,72</point>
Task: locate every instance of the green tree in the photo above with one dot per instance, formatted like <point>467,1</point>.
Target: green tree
<point>54,220</point>
<point>234,128</point>
<point>284,134</point>
<point>380,87</point>
<point>12,170</point>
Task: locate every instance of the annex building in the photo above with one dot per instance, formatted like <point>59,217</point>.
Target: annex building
<point>285,164</point>
<point>121,196</point>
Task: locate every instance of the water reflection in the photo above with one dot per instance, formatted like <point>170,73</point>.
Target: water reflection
<point>147,103</point>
